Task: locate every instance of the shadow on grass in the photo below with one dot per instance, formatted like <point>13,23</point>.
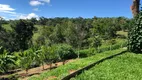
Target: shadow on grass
<point>68,77</point>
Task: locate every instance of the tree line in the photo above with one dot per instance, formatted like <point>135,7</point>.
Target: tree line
<point>78,32</point>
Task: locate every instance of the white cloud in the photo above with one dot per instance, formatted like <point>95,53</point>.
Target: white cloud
<point>47,1</point>
<point>35,3</point>
<point>7,12</point>
<point>39,2</point>
<point>4,8</point>
<point>29,16</point>
<point>36,9</point>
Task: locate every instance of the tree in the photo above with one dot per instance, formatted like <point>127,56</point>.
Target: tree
<point>33,20</point>
<point>42,21</point>
<point>65,52</point>
<point>135,37</point>
<point>7,39</point>
<point>70,34</point>
<point>23,31</point>
<point>95,42</point>
<point>42,55</point>
<point>57,35</point>
<point>26,60</point>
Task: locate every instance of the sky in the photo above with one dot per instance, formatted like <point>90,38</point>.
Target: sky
<point>26,9</point>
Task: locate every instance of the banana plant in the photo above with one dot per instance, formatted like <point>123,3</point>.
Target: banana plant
<point>5,59</point>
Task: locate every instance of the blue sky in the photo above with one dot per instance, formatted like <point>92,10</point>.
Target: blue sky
<point>16,9</point>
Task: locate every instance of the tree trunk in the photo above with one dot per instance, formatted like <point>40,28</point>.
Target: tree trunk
<point>50,66</point>
<point>42,66</point>
<point>26,71</point>
<point>63,62</point>
<point>56,65</point>
<point>135,7</point>
<point>78,56</point>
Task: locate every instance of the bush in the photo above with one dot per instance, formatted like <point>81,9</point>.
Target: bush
<point>65,51</point>
<point>86,52</point>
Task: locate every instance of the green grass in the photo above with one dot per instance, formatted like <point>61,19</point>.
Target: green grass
<point>125,67</point>
<point>62,71</point>
<point>7,27</point>
<point>122,33</point>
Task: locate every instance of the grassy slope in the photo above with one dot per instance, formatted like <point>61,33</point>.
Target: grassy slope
<point>125,67</point>
<point>7,27</point>
<point>122,33</point>
<point>79,63</point>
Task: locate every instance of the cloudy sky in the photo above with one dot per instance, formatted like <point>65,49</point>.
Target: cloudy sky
<point>26,9</point>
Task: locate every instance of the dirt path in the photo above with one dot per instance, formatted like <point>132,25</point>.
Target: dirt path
<point>36,71</point>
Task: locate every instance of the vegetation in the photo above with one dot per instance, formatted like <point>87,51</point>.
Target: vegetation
<point>5,61</point>
<point>78,32</point>
<point>62,71</point>
<point>123,67</point>
<point>135,38</point>
<point>33,43</point>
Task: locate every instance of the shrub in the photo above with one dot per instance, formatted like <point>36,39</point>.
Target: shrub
<point>65,51</point>
<point>86,52</point>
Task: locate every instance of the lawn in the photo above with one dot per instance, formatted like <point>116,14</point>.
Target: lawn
<point>64,70</point>
<point>125,67</point>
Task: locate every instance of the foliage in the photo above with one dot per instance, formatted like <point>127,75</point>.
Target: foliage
<point>57,35</point>
<point>95,42</point>
<point>86,52</point>
<point>65,52</point>
<point>5,60</point>
<point>23,31</point>
<point>17,34</point>
<point>58,52</point>
<point>135,37</point>
<point>26,59</point>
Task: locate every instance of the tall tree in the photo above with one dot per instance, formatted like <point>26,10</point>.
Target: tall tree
<point>23,32</point>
